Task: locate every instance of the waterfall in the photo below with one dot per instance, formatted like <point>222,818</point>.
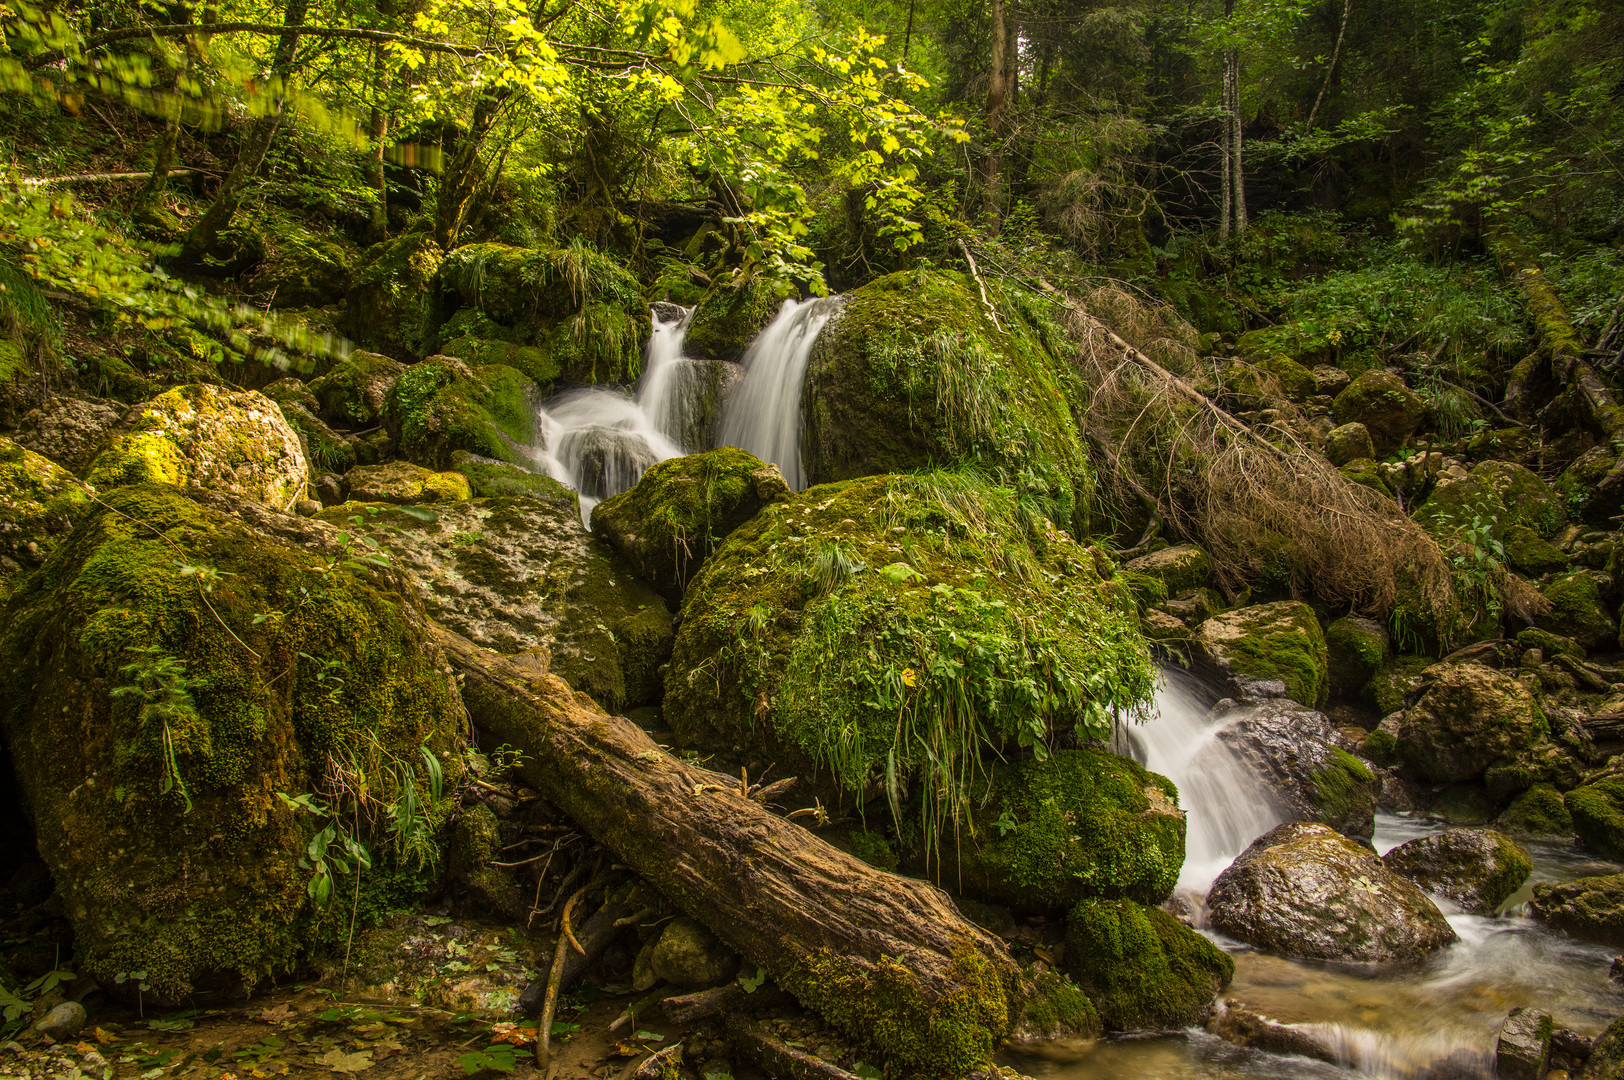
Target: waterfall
<point>1226,806</point>
<point>763,416</point>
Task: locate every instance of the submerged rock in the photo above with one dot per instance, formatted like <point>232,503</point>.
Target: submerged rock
<point>1306,763</point>
<point>1237,1024</point>
<point>1591,908</point>
<point>152,714</point>
<point>1522,1046</point>
<point>1469,718</point>
<point>518,574</point>
<point>1141,967</point>
<point>1268,641</point>
<point>233,442</point>
<point>680,510</point>
<point>1304,890</point>
<point>1476,868</point>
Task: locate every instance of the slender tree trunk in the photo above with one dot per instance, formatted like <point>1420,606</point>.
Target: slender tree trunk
<point>378,130</point>
<point>460,180</point>
<point>997,91</point>
<point>1238,182</point>
<point>1336,60</point>
<point>1225,172</point>
<point>255,146</point>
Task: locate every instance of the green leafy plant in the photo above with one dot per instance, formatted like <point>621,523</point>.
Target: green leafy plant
<point>162,689</point>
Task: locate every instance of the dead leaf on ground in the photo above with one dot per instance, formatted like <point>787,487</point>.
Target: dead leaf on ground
<point>281,1014</point>
<point>340,1062</point>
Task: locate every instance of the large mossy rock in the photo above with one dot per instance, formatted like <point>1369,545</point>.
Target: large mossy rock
<point>405,484</point>
<point>39,503</point>
<point>1389,410</point>
<point>389,302</point>
<point>1081,823</point>
<point>1589,908</point>
<point>493,479</point>
<point>353,393</point>
<point>1280,641</point>
<point>1469,718</point>
<point>1180,568</point>
<point>513,574</point>
<point>230,441</point>
<point>1494,498</point>
<point>1304,890</point>
<point>1142,968</point>
<point>1538,812</point>
<point>153,716</point>
<point>1478,869</point>
<point>731,317</point>
<point>913,374</point>
<point>1578,611</point>
<point>1597,815</point>
<point>442,405</point>
<point>668,524</point>
<point>1606,1061</point>
<point>901,623</point>
<point>1305,762</point>
<point>1357,648</point>
<point>579,307</point>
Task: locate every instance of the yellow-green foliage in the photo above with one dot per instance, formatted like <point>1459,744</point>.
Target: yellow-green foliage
<point>1141,967</point>
<point>913,374</point>
<point>881,1006</point>
<point>271,662</point>
<point>898,628</point>
<point>1082,823</point>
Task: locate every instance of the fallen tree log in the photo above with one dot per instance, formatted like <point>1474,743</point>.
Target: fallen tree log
<point>886,960</point>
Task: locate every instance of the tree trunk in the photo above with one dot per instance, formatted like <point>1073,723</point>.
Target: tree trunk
<point>460,180</point>
<point>1336,59</point>
<point>887,960</point>
<point>997,89</point>
<point>163,158</point>
<point>378,130</point>
<point>1237,182</point>
<point>255,146</point>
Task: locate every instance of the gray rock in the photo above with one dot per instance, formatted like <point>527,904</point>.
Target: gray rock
<point>67,430</point>
<point>1523,1045</point>
<point>63,1022</point>
<point>307,508</point>
<point>1304,890</point>
<point>1330,380</point>
<point>1476,868</point>
<point>1590,908</point>
<point>689,955</point>
<point>1350,442</point>
<point>331,489</point>
<point>1306,762</point>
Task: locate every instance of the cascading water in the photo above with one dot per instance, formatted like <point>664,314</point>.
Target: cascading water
<point>763,415</point>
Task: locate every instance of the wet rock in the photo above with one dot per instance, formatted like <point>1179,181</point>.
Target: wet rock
<point>1379,400</point>
<point>1357,648</point>
<point>1268,641</point>
<point>1476,868</point>
<point>1350,442</point>
<point>1597,813</point>
<point>1606,1054</point>
<point>680,510</point>
<point>405,484</point>
<point>234,442</point>
<point>517,574</point>
<point>1237,1024</point>
<point>1522,1046</point>
<point>1590,908</point>
<point>69,431</point>
<point>1306,891</point>
<point>63,1022</point>
<point>1141,967</point>
<point>1305,761</point>
<point>1469,718</point>
<point>1181,568</point>
<point>689,955</point>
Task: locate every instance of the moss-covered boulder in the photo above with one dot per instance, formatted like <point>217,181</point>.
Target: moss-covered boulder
<point>1589,908</point>
<point>1529,553</point>
<point>580,308</point>
<point>1538,812</point>
<point>1265,642</point>
<point>1606,1061</point>
<point>39,503</point>
<point>516,574</point>
<point>1347,443</point>
<point>668,524</point>
<point>1397,682</point>
<point>1356,649</point>
<point>69,431</point>
<point>537,365</point>
<point>1477,869</point>
<point>1080,823</point>
<point>300,266</point>
<point>901,625</point>
<point>235,442</point>
<point>1304,890</point>
<point>1304,762</point>
<point>177,662</point>
<point>405,484</point>
<point>1180,568</point>
<point>1142,968</point>
<point>1494,498</point>
<point>1578,611</point>
<point>1389,410</point>
<point>1597,813</point>
<point>1580,482</point>
<point>389,301</point>
<point>353,393</point>
<point>442,405</point>
<point>1297,381</point>
<point>1469,718</point>
<point>913,374</point>
<point>493,479</point>
<point>730,318</point>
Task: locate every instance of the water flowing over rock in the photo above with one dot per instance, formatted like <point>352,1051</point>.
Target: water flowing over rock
<point>1306,763</point>
<point>1304,890</point>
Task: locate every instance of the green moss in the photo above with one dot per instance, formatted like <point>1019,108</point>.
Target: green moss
<point>1395,680</point>
<point>1272,641</point>
<point>1297,381</point>
<point>539,366</point>
<point>880,1006</point>
<point>1081,823</point>
<point>1141,967</point>
<point>1597,811</point>
<point>1577,611</point>
<point>39,503</point>
<point>1579,482</point>
<point>1356,649</point>
<point>494,479</point>
<point>1381,747</point>
<point>913,374</point>
<point>353,392</point>
<point>214,894</point>
<point>388,302</point>
<point>1058,1008</point>
<point>1342,788</point>
<point>729,319</point>
<point>441,406</point>
<point>873,848</point>
<point>1539,811</point>
<point>1606,1061</point>
<point>1365,472</point>
<point>1528,553</point>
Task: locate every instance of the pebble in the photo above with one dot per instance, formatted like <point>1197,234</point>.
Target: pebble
<point>63,1022</point>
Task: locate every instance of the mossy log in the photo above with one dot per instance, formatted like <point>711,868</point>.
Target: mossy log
<point>887,960</point>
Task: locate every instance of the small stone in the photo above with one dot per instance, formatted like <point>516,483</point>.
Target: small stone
<point>1523,1045</point>
<point>330,489</point>
<point>307,508</point>
<point>63,1022</point>
<point>690,955</point>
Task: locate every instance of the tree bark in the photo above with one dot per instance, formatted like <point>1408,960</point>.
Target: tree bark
<point>255,146</point>
<point>997,89</point>
<point>463,172</point>
<point>1237,183</point>
<point>377,130</point>
<point>1336,59</point>
<point>887,960</point>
